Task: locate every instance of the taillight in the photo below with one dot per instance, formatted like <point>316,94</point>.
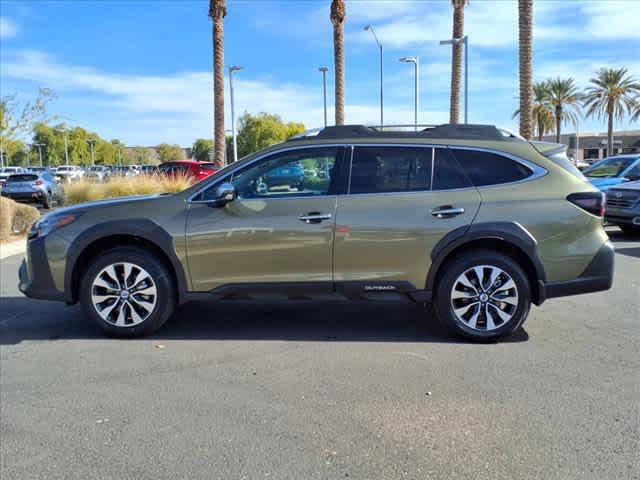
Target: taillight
<point>592,202</point>
<point>38,182</point>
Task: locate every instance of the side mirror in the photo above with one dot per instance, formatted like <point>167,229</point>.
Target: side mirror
<point>225,193</point>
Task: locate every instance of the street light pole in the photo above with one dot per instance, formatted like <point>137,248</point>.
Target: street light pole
<point>455,41</point>
<point>234,68</point>
<point>375,37</point>
<point>416,94</point>
<point>91,143</point>
<point>324,71</point>
<point>39,145</point>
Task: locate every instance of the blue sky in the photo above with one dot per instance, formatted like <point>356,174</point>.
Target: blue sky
<point>140,70</point>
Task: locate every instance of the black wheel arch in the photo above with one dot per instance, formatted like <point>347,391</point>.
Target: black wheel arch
<point>509,238</point>
<point>140,232</point>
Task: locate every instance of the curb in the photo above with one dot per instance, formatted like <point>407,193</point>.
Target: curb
<point>10,249</point>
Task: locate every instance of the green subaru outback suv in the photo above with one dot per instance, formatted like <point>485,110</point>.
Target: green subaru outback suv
<point>477,222</point>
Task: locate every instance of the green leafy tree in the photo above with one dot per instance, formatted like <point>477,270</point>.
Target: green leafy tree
<point>18,118</point>
<point>610,95</point>
<point>201,149</point>
<point>565,100</point>
<point>168,153</point>
<point>259,131</point>
<point>542,111</point>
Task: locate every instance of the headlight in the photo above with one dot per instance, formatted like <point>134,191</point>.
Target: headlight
<point>51,222</point>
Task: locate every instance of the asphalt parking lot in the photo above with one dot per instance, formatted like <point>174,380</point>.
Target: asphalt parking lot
<point>312,391</point>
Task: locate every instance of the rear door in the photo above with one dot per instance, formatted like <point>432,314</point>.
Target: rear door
<point>402,200</point>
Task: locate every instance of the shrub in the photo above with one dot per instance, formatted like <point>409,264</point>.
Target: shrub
<point>15,218</point>
<point>83,191</point>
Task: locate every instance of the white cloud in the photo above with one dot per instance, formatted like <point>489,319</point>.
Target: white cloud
<point>494,23</point>
<point>613,19</point>
<point>178,108</point>
<point>8,28</point>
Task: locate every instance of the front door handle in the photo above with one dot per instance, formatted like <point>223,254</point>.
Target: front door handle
<point>446,211</point>
<point>314,217</point>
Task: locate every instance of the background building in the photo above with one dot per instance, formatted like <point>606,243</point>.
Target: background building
<point>593,146</point>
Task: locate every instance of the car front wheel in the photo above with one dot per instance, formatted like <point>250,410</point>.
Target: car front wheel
<point>128,292</point>
<point>482,295</point>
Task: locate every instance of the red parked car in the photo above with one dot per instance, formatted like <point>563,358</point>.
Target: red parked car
<point>189,168</point>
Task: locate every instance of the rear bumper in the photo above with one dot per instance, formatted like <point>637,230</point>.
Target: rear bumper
<point>34,277</point>
<point>35,196</point>
<point>598,276</point>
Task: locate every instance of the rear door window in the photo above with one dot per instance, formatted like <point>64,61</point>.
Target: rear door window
<point>447,173</point>
<point>390,169</point>
<point>488,168</point>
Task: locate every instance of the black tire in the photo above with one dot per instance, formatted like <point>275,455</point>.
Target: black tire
<point>165,297</point>
<point>46,201</point>
<point>443,296</point>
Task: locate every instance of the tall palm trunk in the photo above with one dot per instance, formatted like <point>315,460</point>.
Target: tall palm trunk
<point>338,15</point>
<point>610,128</point>
<point>456,60</point>
<point>525,33</point>
<point>558,112</point>
<point>540,128</point>
<point>217,12</point>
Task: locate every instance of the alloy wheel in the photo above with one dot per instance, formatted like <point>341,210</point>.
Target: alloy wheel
<point>124,294</point>
<point>484,298</point>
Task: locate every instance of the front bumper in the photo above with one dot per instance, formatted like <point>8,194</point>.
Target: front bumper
<point>630,217</point>
<point>35,279</point>
<point>598,276</point>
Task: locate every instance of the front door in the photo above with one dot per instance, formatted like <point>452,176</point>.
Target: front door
<point>280,228</point>
<point>402,201</point>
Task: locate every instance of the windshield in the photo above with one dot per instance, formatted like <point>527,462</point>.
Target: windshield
<point>8,170</point>
<point>22,178</point>
<point>609,167</point>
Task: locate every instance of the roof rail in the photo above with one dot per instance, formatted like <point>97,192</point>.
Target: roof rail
<point>453,131</point>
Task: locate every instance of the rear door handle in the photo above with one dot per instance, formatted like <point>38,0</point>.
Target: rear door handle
<point>446,212</point>
<point>314,217</point>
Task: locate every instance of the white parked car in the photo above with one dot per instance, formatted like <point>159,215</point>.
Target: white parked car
<point>6,172</point>
<point>69,173</point>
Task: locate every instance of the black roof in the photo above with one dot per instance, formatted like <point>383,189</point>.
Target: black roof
<point>453,131</point>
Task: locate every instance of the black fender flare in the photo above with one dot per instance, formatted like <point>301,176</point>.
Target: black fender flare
<point>134,227</point>
<point>510,232</point>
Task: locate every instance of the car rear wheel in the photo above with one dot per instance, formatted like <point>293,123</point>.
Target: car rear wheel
<point>46,201</point>
<point>482,295</point>
<point>128,292</point>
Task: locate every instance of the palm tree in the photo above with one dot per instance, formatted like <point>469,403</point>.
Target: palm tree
<point>541,110</point>
<point>217,12</point>
<point>564,98</point>
<point>611,93</point>
<point>525,33</point>
<point>456,59</point>
<point>338,16</point>
<point>636,113</point>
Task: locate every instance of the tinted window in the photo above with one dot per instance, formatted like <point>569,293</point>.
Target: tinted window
<point>634,173</point>
<point>284,175</point>
<point>390,169</point>
<point>447,173</point>
<point>22,178</point>
<point>486,168</point>
<point>609,167</point>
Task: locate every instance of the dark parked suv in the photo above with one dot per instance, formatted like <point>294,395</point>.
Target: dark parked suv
<point>473,220</point>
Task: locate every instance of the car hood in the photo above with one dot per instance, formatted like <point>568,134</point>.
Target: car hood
<point>604,183</point>
<point>109,203</point>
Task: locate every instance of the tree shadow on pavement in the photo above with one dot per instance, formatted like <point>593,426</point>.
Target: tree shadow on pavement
<point>25,319</point>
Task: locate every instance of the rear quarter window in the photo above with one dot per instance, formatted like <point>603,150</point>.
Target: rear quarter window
<point>488,168</point>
